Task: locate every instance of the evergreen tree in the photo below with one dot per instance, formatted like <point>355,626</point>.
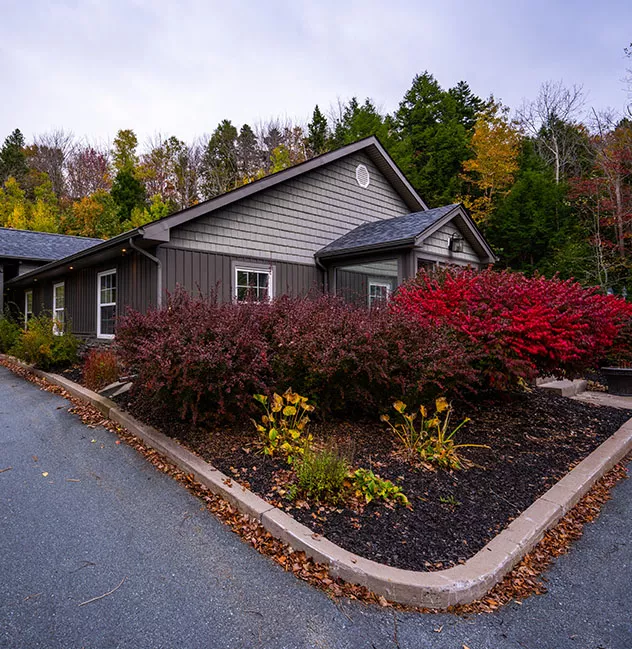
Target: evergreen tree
<point>248,153</point>
<point>433,130</point>
<point>127,192</point>
<point>13,157</point>
<point>124,151</point>
<point>219,164</point>
<point>359,121</point>
<point>318,135</point>
<point>533,221</point>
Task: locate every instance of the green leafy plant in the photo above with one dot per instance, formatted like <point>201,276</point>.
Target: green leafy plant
<point>449,500</point>
<point>282,428</point>
<point>372,487</point>
<point>40,346</point>
<point>430,438</point>
<point>9,334</point>
<point>322,473</point>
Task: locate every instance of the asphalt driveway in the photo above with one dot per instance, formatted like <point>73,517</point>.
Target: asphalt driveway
<point>79,514</point>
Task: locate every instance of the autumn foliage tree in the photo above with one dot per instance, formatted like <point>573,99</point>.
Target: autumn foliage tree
<point>491,172</point>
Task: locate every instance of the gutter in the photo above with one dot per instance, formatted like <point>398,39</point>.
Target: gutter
<point>158,269</point>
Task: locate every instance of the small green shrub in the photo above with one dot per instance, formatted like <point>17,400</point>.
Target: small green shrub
<point>322,473</point>
<point>9,334</point>
<point>283,426</point>
<point>372,487</point>
<point>41,347</point>
<point>100,368</point>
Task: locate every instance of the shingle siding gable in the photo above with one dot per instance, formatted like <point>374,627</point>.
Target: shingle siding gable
<point>291,221</point>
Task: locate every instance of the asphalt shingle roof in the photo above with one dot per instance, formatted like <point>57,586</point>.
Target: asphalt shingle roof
<point>379,233</point>
<point>43,246</point>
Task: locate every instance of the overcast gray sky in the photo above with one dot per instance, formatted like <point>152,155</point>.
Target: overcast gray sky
<point>95,66</point>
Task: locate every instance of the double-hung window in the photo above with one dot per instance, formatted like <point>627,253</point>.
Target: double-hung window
<point>253,284</point>
<point>379,293</point>
<point>106,303</point>
<point>59,301</point>
<point>28,307</point>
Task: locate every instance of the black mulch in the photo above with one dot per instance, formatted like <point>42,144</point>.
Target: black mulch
<point>534,438</point>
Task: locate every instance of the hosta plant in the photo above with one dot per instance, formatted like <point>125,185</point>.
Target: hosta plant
<point>372,487</point>
<point>282,427</point>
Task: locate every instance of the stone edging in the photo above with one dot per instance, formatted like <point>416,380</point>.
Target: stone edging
<point>461,584</point>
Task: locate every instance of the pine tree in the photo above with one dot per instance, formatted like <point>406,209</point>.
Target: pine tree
<point>318,133</point>
<point>13,157</point>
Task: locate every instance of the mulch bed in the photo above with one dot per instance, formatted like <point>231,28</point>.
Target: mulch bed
<point>525,580</point>
<point>534,439</point>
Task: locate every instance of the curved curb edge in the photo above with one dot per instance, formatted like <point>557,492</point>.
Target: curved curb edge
<point>461,584</point>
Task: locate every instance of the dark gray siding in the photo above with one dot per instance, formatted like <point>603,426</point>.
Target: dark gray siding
<point>206,273</point>
<point>291,221</point>
<point>136,281</point>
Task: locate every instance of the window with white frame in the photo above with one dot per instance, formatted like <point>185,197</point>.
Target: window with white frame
<point>379,293</point>
<point>253,284</point>
<point>28,307</point>
<point>106,303</point>
<point>59,300</point>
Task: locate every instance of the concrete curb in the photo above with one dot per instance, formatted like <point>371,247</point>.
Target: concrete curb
<point>459,585</point>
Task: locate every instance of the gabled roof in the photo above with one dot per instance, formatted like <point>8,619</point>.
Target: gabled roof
<point>41,246</point>
<point>401,230</point>
<point>407,231</point>
<point>158,230</point>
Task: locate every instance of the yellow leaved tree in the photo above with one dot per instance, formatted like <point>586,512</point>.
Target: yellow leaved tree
<point>496,145</point>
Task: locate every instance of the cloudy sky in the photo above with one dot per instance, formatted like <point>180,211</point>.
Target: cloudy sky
<point>94,66</point>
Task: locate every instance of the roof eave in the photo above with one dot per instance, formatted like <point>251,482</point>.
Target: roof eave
<point>399,244</point>
<point>114,241</point>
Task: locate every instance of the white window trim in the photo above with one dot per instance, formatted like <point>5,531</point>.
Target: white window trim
<point>57,331</point>
<point>268,270</point>
<point>386,285</point>
<point>26,306</point>
<point>100,304</point>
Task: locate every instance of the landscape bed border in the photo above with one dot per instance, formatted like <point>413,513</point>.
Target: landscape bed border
<point>441,589</point>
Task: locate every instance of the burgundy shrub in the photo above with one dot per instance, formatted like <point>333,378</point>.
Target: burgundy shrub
<point>205,359</point>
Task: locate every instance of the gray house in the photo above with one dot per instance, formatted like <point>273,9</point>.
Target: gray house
<point>23,250</point>
<point>346,222</point>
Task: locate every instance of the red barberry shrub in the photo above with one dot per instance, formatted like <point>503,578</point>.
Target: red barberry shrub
<point>520,325</point>
<point>328,350</point>
<point>202,359</point>
<point>100,368</point>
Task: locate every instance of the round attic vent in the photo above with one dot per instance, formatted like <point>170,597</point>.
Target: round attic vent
<point>362,176</point>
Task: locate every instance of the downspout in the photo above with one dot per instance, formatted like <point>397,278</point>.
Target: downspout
<point>158,270</point>
<point>325,270</point>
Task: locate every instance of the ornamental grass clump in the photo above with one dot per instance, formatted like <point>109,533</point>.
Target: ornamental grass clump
<point>321,474</point>
<point>282,427</point>
<point>429,438</point>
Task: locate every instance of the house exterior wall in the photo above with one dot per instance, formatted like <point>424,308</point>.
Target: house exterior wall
<point>207,273</point>
<point>292,221</point>
<point>435,248</point>
<point>136,288</point>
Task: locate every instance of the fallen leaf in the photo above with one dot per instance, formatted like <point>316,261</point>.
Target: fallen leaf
<point>45,473</point>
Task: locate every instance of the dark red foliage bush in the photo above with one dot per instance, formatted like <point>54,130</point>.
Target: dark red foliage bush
<point>100,368</point>
<point>203,359</point>
<point>447,334</point>
<point>520,325</point>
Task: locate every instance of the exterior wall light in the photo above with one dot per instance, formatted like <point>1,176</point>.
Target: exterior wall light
<point>456,243</point>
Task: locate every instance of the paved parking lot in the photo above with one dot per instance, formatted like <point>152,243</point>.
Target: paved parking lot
<point>79,514</point>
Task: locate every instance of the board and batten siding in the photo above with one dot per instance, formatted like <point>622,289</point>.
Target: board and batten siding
<point>136,287</point>
<point>210,273</point>
<point>293,220</point>
<point>436,247</point>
